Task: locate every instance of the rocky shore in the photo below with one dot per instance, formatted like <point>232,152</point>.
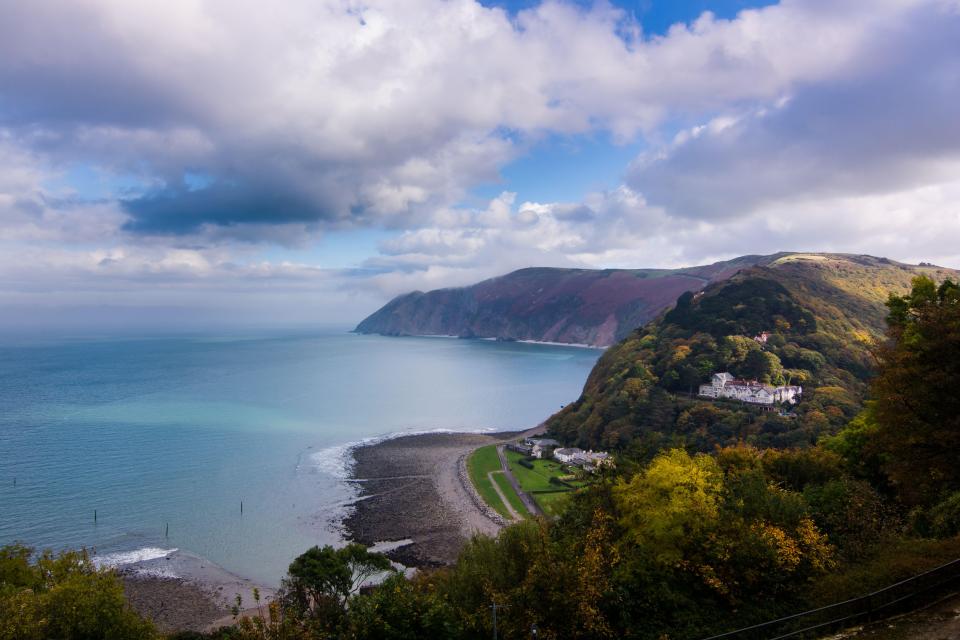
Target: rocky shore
<point>184,592</point>
<point>415,488</point>
<point>173,604</point>
<point>416,505</point>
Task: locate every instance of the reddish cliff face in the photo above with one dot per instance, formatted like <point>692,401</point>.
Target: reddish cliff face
<point>575,306</point>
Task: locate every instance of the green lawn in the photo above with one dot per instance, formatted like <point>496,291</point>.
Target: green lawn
<point>481,462</point>
<point>538,478</point>
<point>552,503</point>
<point>512,496</point>
<point>551,498</point>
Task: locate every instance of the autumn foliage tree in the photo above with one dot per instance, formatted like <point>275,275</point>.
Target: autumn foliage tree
<point>917,393</point>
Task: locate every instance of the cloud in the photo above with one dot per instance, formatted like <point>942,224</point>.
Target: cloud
<point>338,112</point>
<point>807,125</point>
<point>623,230</point>
<point>888,127</point>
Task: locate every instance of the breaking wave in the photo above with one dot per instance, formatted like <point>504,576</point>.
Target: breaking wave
<point>338,461</point>
<point>123,558</point>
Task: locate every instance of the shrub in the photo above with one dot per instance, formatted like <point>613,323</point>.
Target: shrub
<point>944,518</point>
<point>63,596</point>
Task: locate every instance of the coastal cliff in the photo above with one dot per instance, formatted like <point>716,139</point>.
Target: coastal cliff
<point>574,306</point>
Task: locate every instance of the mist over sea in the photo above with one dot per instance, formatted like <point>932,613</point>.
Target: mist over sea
<point>175,430</point>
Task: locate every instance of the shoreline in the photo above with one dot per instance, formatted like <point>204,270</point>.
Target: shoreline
<point>415,503</point>
<point>578,345</point>
<point>180,591</point>
<point>415,488</point>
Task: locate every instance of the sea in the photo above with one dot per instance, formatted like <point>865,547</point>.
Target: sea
<point>235,448</point>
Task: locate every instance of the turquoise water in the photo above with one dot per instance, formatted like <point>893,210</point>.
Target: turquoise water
<point>178,431</point>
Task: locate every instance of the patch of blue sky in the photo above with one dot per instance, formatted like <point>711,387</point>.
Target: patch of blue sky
<point>338,249</point>
<point>656,16</point>
<point>194,181</point>
<point>563,169</point>
<point>88,182</point>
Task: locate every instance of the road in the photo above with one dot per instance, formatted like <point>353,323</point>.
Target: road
<point>939,621</point>
<point>516,517</point>
<point>525,498</point>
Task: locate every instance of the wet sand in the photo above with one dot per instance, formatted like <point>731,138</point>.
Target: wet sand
<point>415,487</point>
<point>183,592</point>
<point>416,504</point>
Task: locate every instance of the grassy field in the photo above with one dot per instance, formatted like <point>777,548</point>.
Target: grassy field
<point>538,478</point>
<point>552,503</point>
<point>512,496</point>
<point>536,482</point>
<point>479,464</point>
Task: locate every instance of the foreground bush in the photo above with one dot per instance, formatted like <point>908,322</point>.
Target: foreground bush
<point>65,597</point>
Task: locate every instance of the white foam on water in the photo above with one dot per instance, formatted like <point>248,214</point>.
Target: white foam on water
<point>389,545</point>
<point>579,345</point>
<point>338,461</point>
<point>123,558</point>
<point>335,461</point>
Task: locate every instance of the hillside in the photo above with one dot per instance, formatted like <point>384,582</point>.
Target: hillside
<point>822,312</point>
<point>576,306</point>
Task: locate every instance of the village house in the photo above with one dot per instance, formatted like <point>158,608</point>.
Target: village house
<point>761,338</point>
<point>597,459</point>
<point>541,446</point>
<point>521,448</point>
<point>588,460</point>
<point>568,455</point>
<point>724,385</point>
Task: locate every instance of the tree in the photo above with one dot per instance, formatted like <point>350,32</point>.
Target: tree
<point>401,609</point>
<point>917,403</point>
<point>763,366</point>
<point>63,596</point>
<point>676,497</point>
<point>320,581</point>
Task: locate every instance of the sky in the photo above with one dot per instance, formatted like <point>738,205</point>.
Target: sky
<point>230,162</point>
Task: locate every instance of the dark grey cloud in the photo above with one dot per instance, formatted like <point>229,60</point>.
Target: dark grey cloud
<point>889,125</point>
<point>182,211</point>
<point>577,213</point>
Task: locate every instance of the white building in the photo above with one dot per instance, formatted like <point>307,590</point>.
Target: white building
<point>716,386</point>
<point>597,459</point>
<point>724,385</point>
<point>569,455</point>
<point>589,460</point>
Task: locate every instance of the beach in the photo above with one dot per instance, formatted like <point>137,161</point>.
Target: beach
<point>415,504</point>
<point>183,592</point>
<point>414,489</point>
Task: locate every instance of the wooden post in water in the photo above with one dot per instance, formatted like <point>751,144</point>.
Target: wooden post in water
<point>167,532</point>
<point>94,516</point>
<point>241,506</point>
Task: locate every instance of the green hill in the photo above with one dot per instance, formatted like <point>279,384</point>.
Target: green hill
<point>822,312</point>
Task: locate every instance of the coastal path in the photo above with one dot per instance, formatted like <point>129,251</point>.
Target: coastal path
<point>516,517</point>
<point>525,497</point>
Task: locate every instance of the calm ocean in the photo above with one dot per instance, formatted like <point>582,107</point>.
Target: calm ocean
<point>177,431</point>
